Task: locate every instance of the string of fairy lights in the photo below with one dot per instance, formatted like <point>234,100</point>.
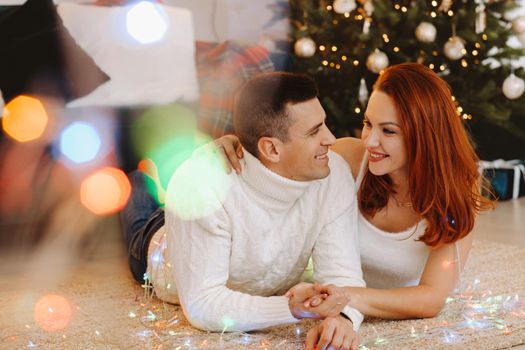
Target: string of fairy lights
<point>469,312</point>
<point>160,325</point>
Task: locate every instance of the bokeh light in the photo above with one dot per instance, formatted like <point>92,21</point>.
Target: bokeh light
<point>24,118</point>
<point>80,142</point>
<point>146,22</point>
<point>53,312</point>
<point>106,191</point>
<point>158,125</point>
<point>166,136</point>
<point>227,322</point>
<point>198,186</point>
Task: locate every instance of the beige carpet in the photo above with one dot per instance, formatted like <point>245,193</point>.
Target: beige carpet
<point>100,307</point>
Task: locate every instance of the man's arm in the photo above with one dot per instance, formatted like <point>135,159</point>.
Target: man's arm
<point>336,252</point>
<point>337,261</point>
<point>199,252</point>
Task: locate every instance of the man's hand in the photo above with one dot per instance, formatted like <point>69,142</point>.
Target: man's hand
<point>299,297</point>
<point>332,333</point>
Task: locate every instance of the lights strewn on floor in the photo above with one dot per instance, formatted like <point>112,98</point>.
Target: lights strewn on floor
<point>479,310</point>
<point>502,315</point>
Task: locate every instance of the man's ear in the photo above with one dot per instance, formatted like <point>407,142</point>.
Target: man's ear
<point>269,149</point>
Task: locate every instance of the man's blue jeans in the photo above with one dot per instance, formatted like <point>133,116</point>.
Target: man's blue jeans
<point>140,219</point>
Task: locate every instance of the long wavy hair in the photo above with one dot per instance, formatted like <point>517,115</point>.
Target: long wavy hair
<point>444,182</point>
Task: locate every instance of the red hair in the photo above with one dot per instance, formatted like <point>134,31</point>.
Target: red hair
<point>442,165</point>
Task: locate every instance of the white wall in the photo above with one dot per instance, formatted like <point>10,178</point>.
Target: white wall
<point>247,21</point>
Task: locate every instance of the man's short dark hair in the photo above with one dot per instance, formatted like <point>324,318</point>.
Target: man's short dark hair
<point>260,108</point>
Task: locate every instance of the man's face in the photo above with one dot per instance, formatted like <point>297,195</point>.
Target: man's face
<point>304,156</point>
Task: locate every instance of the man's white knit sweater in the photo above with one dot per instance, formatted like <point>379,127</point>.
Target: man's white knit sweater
<point>232,258</point>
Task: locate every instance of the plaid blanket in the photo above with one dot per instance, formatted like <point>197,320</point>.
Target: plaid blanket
<point>222,69</point>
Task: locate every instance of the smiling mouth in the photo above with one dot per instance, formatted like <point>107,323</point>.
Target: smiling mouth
<point>377,156</point>
<point>322,156</point>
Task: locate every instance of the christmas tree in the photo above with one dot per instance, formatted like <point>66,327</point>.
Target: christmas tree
<point>345,44</point>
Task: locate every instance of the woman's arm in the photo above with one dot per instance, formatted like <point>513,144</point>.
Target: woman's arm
<point>350,148</point>
<point>440,276</point>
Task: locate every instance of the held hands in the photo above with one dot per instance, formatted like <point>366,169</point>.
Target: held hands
<point>315,301</point>
<point>299,297</point>
<point>332,333</point>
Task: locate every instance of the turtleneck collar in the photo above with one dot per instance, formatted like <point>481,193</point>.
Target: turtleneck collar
<point>270,183</point>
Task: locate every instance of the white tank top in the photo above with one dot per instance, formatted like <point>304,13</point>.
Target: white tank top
<point>388,259</point>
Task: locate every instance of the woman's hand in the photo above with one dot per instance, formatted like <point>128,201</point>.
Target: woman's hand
<point>230,149</point>
<point>316,301</point>
<point>328,301</point>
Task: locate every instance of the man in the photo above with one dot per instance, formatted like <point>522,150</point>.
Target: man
<point>233,244</point>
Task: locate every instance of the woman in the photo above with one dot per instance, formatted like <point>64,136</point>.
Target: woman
<point>418,195</point>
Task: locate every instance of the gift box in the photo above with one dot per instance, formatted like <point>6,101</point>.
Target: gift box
<point>507,177</point>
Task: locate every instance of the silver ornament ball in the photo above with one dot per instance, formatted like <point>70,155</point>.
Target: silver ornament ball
<point>518,25</point>
<point>305,47</point>
<point>454,48</point>
<point>377,61</point>
<point>343,6</point>
<point>426,32</point>
<point>513,87</point>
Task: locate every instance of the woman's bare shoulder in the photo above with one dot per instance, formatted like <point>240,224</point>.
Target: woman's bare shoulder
<point>352,150</point>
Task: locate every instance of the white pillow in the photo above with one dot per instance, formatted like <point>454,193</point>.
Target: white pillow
<point>141,74</point>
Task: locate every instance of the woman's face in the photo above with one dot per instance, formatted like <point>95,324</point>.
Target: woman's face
<point>383,137</point>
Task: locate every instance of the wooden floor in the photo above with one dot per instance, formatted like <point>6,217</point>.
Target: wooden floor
<point>505,224</point>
